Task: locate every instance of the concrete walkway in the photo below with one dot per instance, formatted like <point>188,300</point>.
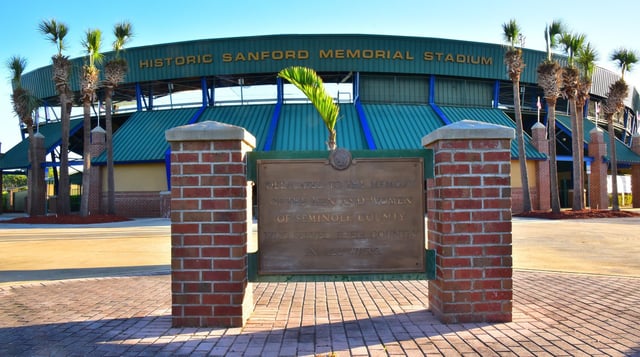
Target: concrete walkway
<point>588,312</point>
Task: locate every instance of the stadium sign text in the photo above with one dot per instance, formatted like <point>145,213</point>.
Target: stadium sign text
<point>322,54</point>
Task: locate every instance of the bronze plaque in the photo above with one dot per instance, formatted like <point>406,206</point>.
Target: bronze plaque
<point>367,218</point>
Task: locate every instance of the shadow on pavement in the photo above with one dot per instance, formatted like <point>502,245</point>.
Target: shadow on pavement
<point>154,336</point>
<point>7,276</point>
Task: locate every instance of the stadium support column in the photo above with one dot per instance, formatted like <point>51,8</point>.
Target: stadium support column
<point>210,224</point>
<point>635,172</point>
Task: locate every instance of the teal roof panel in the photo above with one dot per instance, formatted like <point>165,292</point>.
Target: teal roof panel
<point>141,138</point>
<point>300,127</point>
<point>323,52</point>
<point>254,118</point>
<point>398,126</point>
<point>16,157</point>
<point>493,116</point>
<point>624,154</point>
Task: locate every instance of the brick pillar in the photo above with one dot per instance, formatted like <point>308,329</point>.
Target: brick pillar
<point>635,172</point>
<point>598,197</point>
<point>210,224</point>
<point>469,222</point>
<point>98,145</point>
<point>39,187</point>
<point>541,143</point>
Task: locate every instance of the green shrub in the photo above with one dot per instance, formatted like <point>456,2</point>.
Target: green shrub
<point>628,200</point>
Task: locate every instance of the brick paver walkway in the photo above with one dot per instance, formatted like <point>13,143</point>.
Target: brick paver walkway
<point>554,315</point>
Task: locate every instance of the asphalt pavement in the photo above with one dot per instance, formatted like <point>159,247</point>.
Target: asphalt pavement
<point>104,290</point>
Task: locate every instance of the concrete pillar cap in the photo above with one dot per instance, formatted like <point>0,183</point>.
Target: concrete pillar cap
<point>538,125</point>
<point>469,129</point>
<point>209,131</point>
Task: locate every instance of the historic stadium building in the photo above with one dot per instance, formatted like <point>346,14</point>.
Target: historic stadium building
<point>391,90</point>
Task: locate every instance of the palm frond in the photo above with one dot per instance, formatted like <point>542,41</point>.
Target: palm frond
<point>123,32</point>
<point>91,44</point>
<point>510,32</point>
<point>586,59</point>
<point>312,86</point>
<point>626,58</point>
<point>572,42</point>
<point>55,32</point>
<point>552,33</point>
<point>16,65</point>
<point>555,29</point>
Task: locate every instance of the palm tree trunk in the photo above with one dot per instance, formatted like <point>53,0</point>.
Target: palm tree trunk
<point>576,148</point>
<point>553,165</point>
<point>331,142</point>
<point>86,159</point>
<point>580,122</point>
<point>526,198</point>
<point>109,143</point>
<point>580,129</point>
<point>615,206</point>
<point>63,205</point>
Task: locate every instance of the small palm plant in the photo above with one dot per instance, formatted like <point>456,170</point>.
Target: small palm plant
<point>311,85</point>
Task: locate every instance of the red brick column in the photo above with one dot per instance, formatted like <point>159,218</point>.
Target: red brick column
<point>635,173</point>
<point>598,197</point>
<point>469,222</point>
<point>210,223</point>
<point>541,143</point>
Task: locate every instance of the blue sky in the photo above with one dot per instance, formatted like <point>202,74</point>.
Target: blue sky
<point>161,21</point>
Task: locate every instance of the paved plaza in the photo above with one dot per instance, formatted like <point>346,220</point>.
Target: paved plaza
<point>122,307</point>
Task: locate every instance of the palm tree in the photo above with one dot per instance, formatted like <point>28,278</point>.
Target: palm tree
<point>550,79</point>
<point>24,103</point>
<point>515,66</point>
<point>626,59</point>
<point>55,32</point>
<point>571,80</point>
<point>586,59</point>
<point>89,83</point>
<point>618,92</point>
<point>308,81</point>
<point>114,72</point>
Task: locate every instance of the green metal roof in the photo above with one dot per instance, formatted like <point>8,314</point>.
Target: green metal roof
<point>398,126</point>
<point>16,157</point>
<point>493,116</point>
<point>624,154</point>
<point>300,127</point>
<point>254,118</point>
<point>323,52</point>
<point>141,137</point>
